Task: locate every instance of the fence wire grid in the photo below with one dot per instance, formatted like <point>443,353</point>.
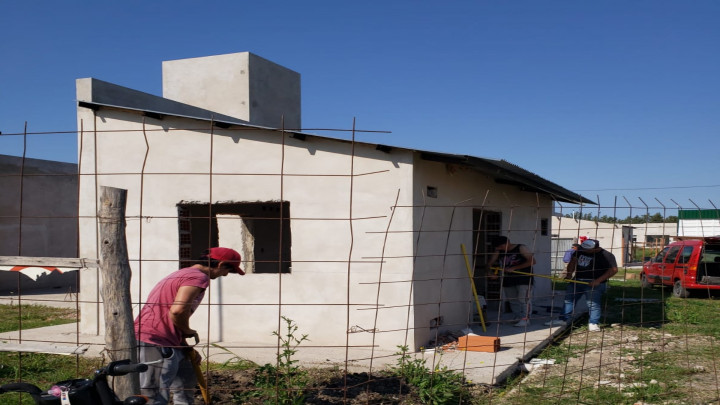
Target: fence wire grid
<point>364,249</point>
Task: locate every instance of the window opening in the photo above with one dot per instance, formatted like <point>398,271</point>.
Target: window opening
<point>260,231</point>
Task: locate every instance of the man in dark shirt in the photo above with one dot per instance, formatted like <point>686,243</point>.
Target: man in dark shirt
<point>593,266</point>
<point>516,287</point>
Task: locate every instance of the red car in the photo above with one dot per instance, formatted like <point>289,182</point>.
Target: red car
<point>688,264</point>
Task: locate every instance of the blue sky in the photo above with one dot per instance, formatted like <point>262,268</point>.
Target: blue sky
<point>612,99</point>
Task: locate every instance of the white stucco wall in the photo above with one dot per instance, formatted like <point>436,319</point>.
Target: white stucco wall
<point>698,227</point>
<point>397,265</point>
<point>241,85</point>
<point>641,231</point>
<point>442,224</point>
<point>246,166</point>
<point>609,235</point>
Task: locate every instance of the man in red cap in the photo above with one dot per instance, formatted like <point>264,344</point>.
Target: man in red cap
<point>164,323</point>
<point>568,253</point>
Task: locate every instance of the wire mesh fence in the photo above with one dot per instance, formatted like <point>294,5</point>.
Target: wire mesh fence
<point>365,264</point>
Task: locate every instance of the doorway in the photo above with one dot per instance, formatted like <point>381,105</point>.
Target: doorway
<point>486,225</point>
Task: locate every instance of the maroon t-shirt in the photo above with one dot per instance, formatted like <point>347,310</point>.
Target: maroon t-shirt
<point>153,324</point>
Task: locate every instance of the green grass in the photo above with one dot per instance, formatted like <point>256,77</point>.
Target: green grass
<point>33,316</point>
<point>691,327</point>
<point>561,353</point>
<point>628,304</point>
<point>42,370</point>
<point>693,315</point>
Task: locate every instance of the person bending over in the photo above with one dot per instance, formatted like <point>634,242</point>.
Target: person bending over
<point>164,323</point>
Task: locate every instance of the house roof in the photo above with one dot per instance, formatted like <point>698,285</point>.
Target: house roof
<point>505,172</point>
<point>106,95</point>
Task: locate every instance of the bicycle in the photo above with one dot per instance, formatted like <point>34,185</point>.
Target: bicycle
<point>95,391</point>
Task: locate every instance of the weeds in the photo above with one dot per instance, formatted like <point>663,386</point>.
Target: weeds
<point>235,362</point>
<point>285,382</point>
<point>437,387</point>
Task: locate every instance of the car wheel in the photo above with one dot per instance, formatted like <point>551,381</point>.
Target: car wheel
<point>644,283</point>
<point>680,291</point>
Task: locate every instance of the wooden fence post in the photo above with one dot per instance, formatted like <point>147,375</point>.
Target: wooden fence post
<point>120,340</point>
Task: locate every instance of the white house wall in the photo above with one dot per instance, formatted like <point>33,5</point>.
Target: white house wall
<point>609,235</point>
<point>698,227</point>
<point>246,167</point>
<point>241,85</point>
<point>641,231</point>
<point>442,224</point>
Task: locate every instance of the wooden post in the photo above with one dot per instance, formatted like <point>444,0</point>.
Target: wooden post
<point>120,340</point>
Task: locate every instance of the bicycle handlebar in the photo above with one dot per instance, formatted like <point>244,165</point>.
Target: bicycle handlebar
<point>21,387</point>
<point>125,367</point>
<point>84,391</point>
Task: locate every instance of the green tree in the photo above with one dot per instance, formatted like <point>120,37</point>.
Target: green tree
<point>637,219</point>
<point>657,218</point>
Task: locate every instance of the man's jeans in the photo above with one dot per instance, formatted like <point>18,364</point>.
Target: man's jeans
<point>574,291</point>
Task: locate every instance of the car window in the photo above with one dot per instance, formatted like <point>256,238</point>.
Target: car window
<point>686,253</point>
<point>710,254</point>
<point>659,257</point>
<point>672,254</point>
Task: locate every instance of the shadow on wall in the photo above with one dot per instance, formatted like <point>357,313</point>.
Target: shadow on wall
<point>30,279</point>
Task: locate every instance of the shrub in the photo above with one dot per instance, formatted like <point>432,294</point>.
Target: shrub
<point>285,382</point>
<point>437,387</point>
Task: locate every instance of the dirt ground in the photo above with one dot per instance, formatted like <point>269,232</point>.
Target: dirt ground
<point>328,386</point>
<point>637,365</point>
<point>630,365</point>
<point>327,389</point>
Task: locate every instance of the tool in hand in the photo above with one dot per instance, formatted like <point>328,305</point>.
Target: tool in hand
<point>498,269</point>
<point>198,372</point>
<point>474,290</point>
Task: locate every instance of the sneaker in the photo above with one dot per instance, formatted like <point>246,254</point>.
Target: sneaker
<point>593,327</point>
<point>522,323</point>
<point>556,322</point>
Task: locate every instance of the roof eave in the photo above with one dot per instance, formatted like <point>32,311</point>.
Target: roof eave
<point>501,171</point>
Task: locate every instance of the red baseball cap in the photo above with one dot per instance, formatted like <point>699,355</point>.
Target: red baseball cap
<point>228,256</point>
<point>583,239</point>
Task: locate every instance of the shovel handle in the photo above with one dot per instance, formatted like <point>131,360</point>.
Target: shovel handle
<point>200,376</point>
<point>568,280</point>
<point>196,367</point>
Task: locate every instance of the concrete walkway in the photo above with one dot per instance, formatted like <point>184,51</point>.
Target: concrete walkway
<point>518,345</point>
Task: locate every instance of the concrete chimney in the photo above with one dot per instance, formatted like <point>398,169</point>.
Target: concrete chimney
<point>241,85</point>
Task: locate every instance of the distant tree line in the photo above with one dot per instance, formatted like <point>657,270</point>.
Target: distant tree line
<point>637,219</point>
